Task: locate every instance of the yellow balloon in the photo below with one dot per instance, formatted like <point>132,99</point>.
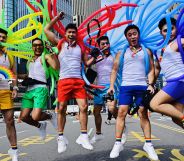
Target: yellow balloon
<point>24,18</point>
<point>14,40</point>
<point>24,55</point>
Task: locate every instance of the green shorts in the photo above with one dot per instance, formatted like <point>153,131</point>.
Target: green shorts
<point>35,98</point>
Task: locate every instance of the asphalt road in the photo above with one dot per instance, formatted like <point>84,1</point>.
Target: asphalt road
<point>168,140</point>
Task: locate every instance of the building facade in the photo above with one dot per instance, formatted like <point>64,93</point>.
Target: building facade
<point>9,7</point>
<point>83,8</point>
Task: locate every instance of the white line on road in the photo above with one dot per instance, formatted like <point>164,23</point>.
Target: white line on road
<point>17,133</point>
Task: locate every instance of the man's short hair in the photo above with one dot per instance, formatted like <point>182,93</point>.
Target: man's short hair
<point>71,26</point>
<point>37,39</point>
<point>164,22</point>
<point>129,27</point>
<point>102,38</point>
<point>3,31</point>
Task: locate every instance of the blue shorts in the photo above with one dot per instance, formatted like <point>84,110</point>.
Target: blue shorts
<point>130,94</point>
<point>175,90</point>
<point>98,100</point>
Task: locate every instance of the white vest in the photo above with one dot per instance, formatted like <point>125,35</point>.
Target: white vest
<point>36,71</point>
<point>172,65</point>
<point>133,72</point>
<point>70,62</point>
<point>104,69</point>
<point>4,61</point>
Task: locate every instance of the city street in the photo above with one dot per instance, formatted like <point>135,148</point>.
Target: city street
<point>167,139</point>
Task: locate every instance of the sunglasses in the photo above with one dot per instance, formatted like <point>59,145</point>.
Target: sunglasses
<point>39,45</point>
<point>104,43</point>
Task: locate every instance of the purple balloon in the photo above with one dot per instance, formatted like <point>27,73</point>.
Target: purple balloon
<point>180,47</point>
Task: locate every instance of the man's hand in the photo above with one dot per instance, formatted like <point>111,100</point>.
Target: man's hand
<point>151,89</point>
<point>61,15</point>
<point>14,93</point>
<point>111,90</point>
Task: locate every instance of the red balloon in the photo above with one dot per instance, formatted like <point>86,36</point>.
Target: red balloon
<point>31,6</point>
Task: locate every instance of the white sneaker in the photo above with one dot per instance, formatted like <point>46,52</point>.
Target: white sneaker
<point>84,141</point>
<point>124,135</point>
<point>96,138</point>
<point>62,144</point>
<point>13,154</point>
<point>108,122</point>
<point>53,120</point>
<point>149,149</point>
<point>117,148</point>
<point>42,130</point>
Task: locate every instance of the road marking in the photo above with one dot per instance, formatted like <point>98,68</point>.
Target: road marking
<point>168,127</point>
<point>8,158</point>
<point>35,140</point>
<point>141,153</point>
<point>177,154</point>
<point>17,133</point>
<point>140,136</point>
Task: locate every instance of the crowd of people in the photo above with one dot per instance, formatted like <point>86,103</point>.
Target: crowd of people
<point>136,80</point>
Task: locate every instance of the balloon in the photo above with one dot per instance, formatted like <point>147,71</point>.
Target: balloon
<point>87,82</point>
<point>180,46</point>
<point>31,6</point>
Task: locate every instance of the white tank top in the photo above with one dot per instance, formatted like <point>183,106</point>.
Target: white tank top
<point>172,65</point>
<point>4,61</point>
<point>36,70</point>
<point>70,62</point>
<point>104,69</point>
<point>133,72</point>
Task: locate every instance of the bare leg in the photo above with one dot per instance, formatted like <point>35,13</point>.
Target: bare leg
<point>179,107</point>
<point>10,126</point>
<point>62,116</point>
<point>120,121</point>
<point>83,113</point>
<point>34,118</point>
<point>98,118</point>
<point>144,121</point>
<point>162,103</point>
<point>112,108</point>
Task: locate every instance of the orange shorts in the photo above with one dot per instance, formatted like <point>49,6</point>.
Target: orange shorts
<point>6,101</point>
<point>71,88</point>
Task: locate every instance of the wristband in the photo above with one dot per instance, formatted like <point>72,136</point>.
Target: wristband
<point>15,88</point>
<point>151,84</point>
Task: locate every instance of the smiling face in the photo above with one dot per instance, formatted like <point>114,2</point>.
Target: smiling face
<point>71,34</point>
<point>37,47</point>
<point>132,37</point>
<point>3,38</point>
<point>173,32</point>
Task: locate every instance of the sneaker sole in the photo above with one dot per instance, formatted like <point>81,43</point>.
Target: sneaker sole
<point>78,142</point>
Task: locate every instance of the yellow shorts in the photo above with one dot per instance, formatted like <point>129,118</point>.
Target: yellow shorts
<point>6,101</point>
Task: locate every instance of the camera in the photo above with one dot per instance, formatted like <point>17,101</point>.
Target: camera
<point>109,97</point>
<point>97,54</point>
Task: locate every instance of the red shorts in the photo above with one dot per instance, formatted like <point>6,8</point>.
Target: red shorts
<point>71,88</point>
